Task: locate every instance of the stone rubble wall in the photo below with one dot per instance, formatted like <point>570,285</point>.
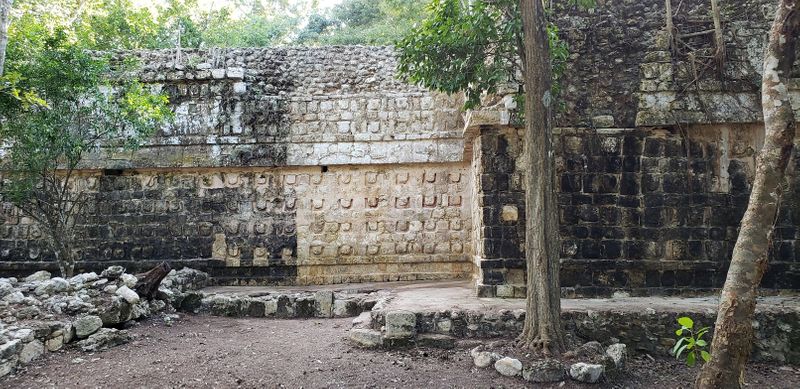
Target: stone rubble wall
<point>647,331</point>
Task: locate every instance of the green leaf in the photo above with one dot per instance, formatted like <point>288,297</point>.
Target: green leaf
<point>690,359</point>
<point>686,322</point>
<point>679,332</point>
<point>681,350</point>
<point>701,343</point>
<point>705,355</point>
<point>678,345</point>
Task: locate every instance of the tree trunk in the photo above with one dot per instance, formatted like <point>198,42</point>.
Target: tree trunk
<point>542,330</point>
<point>148,282</point>
<point>5,20</point>
<point>733,332</point>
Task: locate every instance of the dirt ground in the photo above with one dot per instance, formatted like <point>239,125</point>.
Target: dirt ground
<point>203,351</point>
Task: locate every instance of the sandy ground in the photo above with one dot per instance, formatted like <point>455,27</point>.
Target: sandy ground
<point>203,351</point>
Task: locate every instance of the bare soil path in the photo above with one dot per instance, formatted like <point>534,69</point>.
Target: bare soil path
<point>204,352</point>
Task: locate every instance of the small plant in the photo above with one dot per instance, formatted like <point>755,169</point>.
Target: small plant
<point>690,342</point>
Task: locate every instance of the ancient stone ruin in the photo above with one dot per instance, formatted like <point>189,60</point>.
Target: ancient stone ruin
<point>318,166</point>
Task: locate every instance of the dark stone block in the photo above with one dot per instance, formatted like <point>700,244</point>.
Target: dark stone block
<point>629,185</point>
<point>628,201</point>
<point>589,214</point>
<point>674,148</point>
<point>631,145</point>
<point>605,199</point>
<point>651,183</point>
<point>607,183</point>
<point>631,164</point>
<point>571,183</point>
<point>611,249</point>
<point>653,217</point>
<point>653,147</point>
<point>590,249</point>
<point>675,183</point>
<point>652,279</point>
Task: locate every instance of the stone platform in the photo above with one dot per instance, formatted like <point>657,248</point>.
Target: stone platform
<point>439,313</point>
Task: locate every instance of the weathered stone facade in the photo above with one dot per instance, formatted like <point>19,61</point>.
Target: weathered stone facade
<point>317,165</point>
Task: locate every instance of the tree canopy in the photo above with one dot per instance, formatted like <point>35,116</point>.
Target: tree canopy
<point>121,24</point>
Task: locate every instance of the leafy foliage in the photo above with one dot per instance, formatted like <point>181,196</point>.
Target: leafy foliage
<point>473,48</point>
<point>364,22</point>
<point>691,342</point>
<point>79,105</point>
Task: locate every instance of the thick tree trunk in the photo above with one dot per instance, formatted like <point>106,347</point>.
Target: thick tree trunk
<point>542,330</point>
<point>5,20</point>
<point>148,282</point>
<point>733,332</point>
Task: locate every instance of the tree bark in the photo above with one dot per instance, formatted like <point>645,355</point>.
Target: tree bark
<point>542,331</point>
<point>5,20</point>
<point>148,282</point>
<point>733,332</point>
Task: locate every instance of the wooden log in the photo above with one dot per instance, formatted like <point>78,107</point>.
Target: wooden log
<point>148,282</point>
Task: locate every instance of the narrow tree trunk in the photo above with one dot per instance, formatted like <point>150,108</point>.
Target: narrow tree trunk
<point>542,330</point>
<point>733,332</point>
<point>5,20</point>
<point>147,283</point>
<point>719,40</point>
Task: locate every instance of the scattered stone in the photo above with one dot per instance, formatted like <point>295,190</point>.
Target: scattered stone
<point>508,367</point>
<point>55,343</point>
<point>52,286</point>
<point>83,278</point>
<point>618,353</point>
<point>586,372</point>
<point>544,371</point>
<point>484,358</point>
<point>129,295</point>
<point>87,325</point>
<point>105,339</point>
<point>169,319</point>
<point>366,338</point>
<point>129,280</point>
<point>113,272</point>
<point>110,289</point>
<point>5,288</point>
<point>31,351</point>
<point>41,275</point>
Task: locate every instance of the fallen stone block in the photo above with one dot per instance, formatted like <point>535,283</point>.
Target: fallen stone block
<point>105,339</point>
<point>366,338</point>
<point>508,367</point>
<point>586,372</point>
<point>31,351</point>
<point>87,325</point>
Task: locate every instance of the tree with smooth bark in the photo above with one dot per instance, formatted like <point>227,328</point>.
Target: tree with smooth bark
<point>542,330</point>
<point>5,20</point>
<point>477,48</point>
<point>733,331</point>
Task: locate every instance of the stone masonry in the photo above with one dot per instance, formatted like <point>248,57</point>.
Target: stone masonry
<point>319,165</point>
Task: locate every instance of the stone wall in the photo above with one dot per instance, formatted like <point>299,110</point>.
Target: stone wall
<point>318,165</point>
<point>645,211</point>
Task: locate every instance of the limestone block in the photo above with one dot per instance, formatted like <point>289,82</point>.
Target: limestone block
<point>323,303</point>
<point>400,324</point>
<point>366,338</point>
